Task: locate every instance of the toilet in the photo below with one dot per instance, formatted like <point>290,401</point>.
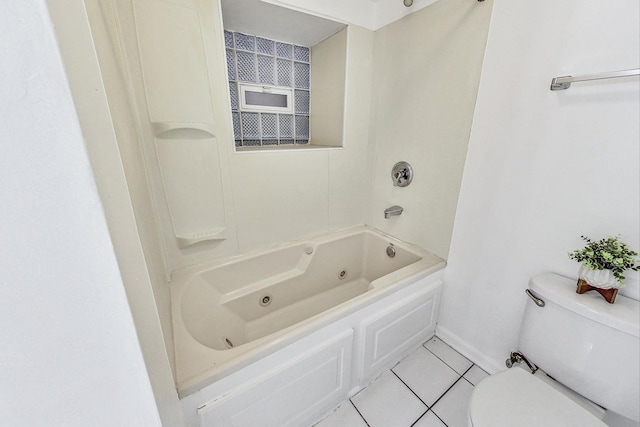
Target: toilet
<point>589,347</point>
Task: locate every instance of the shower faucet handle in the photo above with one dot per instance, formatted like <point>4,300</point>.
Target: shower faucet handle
<point>401,174</point>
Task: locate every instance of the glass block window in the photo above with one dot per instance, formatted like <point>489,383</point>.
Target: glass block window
<point>246,66</point>
<point>266,46</point>
<point>266,70</point>
<point>274,66</point>
<point>245,42</point>
<point>233,93</point>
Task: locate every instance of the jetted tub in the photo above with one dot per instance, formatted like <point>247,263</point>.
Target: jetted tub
<point>229,314</point>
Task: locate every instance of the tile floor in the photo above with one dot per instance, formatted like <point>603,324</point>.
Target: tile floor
<point>429,388</point>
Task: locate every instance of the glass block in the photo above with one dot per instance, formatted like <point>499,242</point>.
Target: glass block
<point>246,66</point>
<point>302,141</point>
<point>284,72</point>
<point>250,125</point>
<point>266,70</point>
<point>285,125</point>
<point>231,64</point>
<point>245,42</point>
<point>265,46</point>
<point>302,101</point>
<point>237,134</point>
<point>284,50</point>
<point>302,127</point>
<point>286,141</point>
<point>233,95</point>
<point>301,73</point>
<point>269,125</point>
<point>301,53</point>
<point>250,142</point>
<point>269,142</point>
<point>228,38</point>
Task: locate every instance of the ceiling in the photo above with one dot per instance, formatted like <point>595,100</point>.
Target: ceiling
<point>277,23</point>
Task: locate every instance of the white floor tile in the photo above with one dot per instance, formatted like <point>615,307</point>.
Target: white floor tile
<point>429,371</point>
<point>452,408</point>
<point>458,362</point>
<point>425,374</point>
<point>475,375</point>
<point>345,416</point>
<point>387,402</point>
<point>429,420</point>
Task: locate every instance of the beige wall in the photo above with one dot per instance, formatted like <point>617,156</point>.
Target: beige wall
<point>132,156</point>
<point>267,197</point>
<point>272,197</point>
<point>105,123</point>
<point>328,85</point>
<point>426,73</point>
<point>284,195</point>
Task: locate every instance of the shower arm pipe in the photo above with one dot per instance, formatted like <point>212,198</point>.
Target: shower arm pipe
<point>564,82</point>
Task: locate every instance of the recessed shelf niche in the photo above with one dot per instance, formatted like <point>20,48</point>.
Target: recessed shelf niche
<point>327,41</point>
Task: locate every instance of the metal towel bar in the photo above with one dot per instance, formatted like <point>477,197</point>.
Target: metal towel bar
<point>564,82</point>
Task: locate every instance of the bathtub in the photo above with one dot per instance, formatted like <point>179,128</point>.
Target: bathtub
<point>241,315</point>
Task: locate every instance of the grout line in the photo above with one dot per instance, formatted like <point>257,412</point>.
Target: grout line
<point>441,420</point>
<point>420,417</point>
<point>414,393</point>
<point>358,411</point>
<point>429,408</point>
<point>444,361</point>
<point>468,369</point>
<point>447,391</point>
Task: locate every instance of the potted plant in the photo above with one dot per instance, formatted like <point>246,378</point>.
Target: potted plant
<point>603,265</point>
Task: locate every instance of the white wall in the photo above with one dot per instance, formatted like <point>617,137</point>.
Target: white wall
<point>426,74</point>
<point>358,12</point>
<point>70,355</point>
<point>388,11</point>
<point>543,167</point>
<point>370,14</point>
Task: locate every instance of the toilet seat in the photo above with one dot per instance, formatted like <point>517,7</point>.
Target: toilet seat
<point>516,398</point>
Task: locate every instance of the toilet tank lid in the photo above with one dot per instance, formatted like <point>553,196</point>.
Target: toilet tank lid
<point>622,315</point>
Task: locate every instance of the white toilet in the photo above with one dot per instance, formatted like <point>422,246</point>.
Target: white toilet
<point>583,342</point>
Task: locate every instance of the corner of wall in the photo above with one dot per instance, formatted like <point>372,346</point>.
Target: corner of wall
<point>83,72</point>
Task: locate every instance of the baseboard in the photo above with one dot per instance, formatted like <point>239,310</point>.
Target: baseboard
<point>489,365</point>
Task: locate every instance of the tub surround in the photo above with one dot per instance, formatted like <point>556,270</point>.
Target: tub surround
<point>426,73</point>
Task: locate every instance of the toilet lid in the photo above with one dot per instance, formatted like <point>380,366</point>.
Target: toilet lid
<point>516,398</point>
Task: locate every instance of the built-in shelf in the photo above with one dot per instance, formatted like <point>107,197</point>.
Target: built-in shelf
<point>193,238</point>
<point>173,48</point>
<point>180,130</point>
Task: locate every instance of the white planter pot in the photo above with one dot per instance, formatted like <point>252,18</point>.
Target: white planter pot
<point>603,279</point>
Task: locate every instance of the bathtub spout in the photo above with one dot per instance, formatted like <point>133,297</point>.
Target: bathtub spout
<point>392,211</point>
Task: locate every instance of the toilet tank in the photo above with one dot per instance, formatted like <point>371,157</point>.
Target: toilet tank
<point>585,343</point>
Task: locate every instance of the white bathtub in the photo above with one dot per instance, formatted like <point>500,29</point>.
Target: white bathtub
<point>232,317</point>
